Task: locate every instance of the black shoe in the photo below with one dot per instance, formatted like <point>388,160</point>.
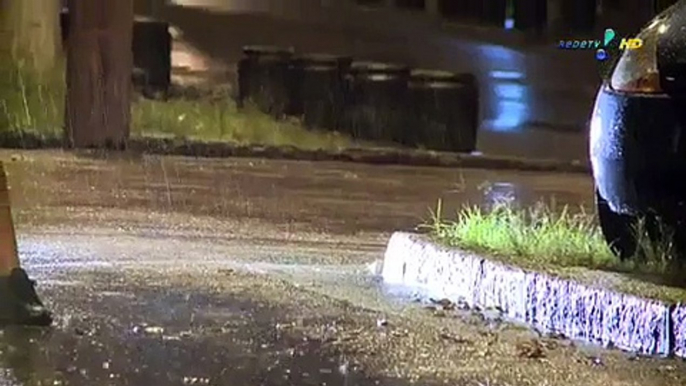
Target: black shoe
<point>19,303</point>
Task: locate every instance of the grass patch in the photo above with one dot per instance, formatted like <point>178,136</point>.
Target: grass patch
<point>541,234</point>
<point>558,240</point>
<point>29,103</point>
<point>221,120</point>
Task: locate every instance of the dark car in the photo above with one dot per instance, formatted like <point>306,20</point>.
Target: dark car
<point>638,138</point>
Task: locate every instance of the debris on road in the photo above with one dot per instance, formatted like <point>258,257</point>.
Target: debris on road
<point>196,381</point>
<point>454,338</point>
<point>444,304</point>
<point>531,350</point>
<point>154,330</point>
<point>144,328</point>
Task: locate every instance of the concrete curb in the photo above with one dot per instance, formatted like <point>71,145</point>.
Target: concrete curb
<point>164,146</point>
<point>580,312</point>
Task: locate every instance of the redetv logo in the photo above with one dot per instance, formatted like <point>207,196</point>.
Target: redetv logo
<point>600,46</point>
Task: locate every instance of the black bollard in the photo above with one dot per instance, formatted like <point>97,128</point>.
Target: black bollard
<point>579,15</point>
<point>317,89</point>
<point>264,78</point>
<point>460,10</point>
<point>64,26</point>
<point>375,101</point>
<point>494,12</point>
<point>370,3</point>
<point>445,111</point>
<point>152,44</point>
<point>530,15</point>
<point>151,52</point>
<point>411,4</point>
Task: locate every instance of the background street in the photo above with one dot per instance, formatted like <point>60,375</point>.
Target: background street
<point>536,99</point>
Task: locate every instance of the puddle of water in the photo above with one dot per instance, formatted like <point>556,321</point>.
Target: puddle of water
<point>60,283</point>
<point>72,265</point>
<point>172,338</point>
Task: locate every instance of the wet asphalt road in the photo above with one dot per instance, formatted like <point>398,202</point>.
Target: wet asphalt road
<point>329,197</point>
<point>173,271</point>
<point>535,99</point>
<point>138,310</point>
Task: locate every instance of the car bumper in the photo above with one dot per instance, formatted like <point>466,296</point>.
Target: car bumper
<point>638,151</point>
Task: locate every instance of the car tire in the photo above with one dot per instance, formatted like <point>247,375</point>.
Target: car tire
<point>618,229</point>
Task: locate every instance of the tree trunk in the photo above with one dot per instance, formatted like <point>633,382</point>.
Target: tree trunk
<point>32,30</point>
<point>99,68</point>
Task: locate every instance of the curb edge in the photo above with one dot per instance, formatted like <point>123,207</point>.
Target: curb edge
<point>577,311</point>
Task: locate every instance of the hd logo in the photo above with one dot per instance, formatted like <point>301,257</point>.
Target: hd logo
<point>630,44</point>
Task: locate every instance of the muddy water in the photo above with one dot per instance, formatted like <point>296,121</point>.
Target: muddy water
<point>329,197</point>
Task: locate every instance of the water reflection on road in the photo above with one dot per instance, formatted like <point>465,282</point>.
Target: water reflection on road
<point>138,333</point>
<point>503,71</point>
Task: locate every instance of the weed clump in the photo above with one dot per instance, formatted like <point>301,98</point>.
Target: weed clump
<point>548,236</point>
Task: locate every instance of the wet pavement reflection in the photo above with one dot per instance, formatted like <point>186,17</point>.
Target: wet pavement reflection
<point>157,336</point>
<point>179,312</point>
<point>157,320</point>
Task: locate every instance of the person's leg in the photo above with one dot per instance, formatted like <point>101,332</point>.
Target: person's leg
<point>19,303</point>
<point>8,244</point>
